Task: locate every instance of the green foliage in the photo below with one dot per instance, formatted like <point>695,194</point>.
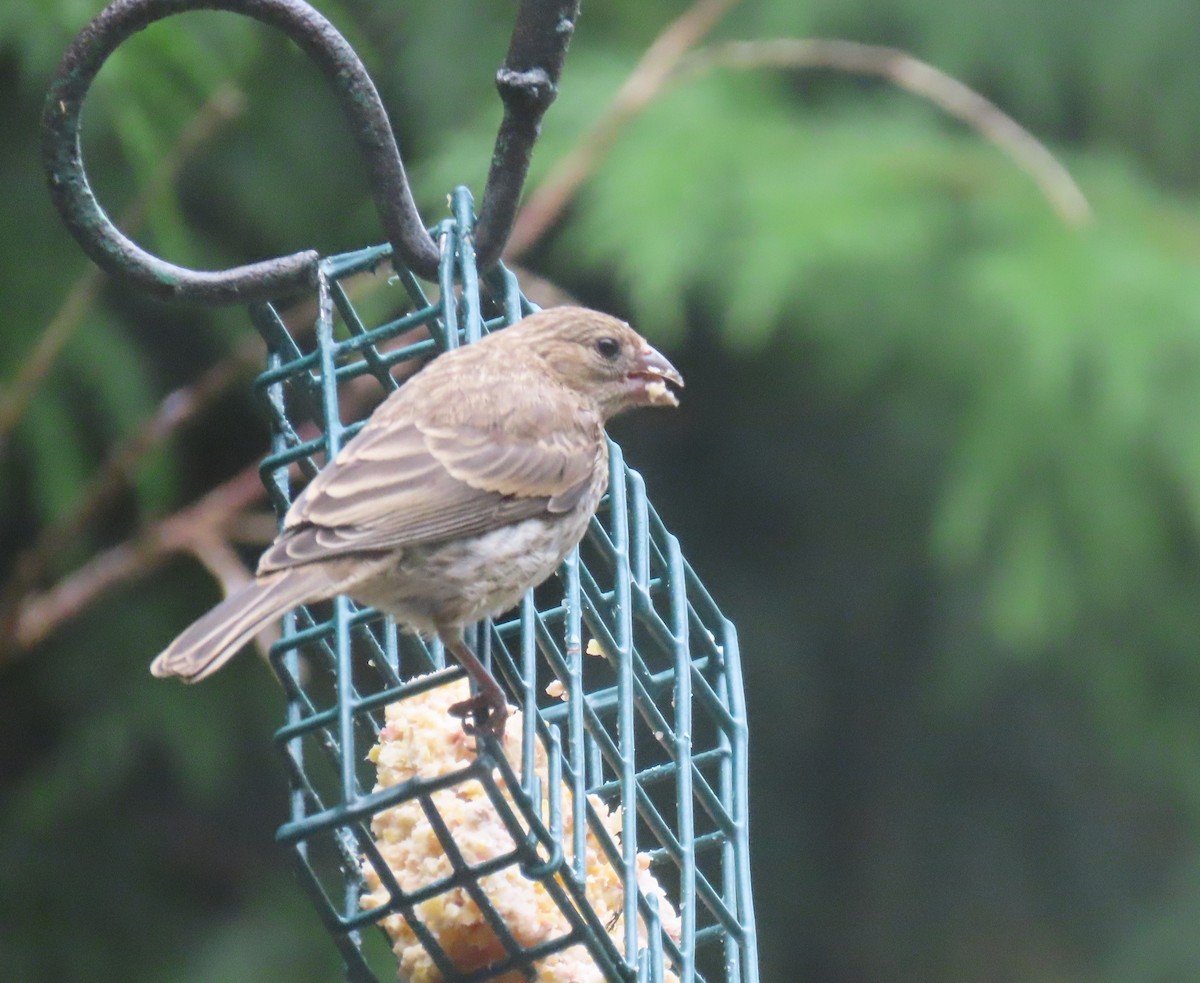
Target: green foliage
<point>1072,353</point>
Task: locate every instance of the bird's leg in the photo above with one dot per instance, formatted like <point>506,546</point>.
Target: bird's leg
<point>488,707</point>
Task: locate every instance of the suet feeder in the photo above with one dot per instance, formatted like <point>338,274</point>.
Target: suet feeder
<point>616,815</point>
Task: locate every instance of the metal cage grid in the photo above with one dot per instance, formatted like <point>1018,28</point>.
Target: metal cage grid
<point>656,725</point>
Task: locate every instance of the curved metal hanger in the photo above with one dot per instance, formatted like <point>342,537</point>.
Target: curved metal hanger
<point>528,83</point>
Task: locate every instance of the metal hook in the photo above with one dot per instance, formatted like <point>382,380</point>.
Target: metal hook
<point>527,82</point>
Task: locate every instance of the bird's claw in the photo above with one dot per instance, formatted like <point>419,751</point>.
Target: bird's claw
<point>485,713</point>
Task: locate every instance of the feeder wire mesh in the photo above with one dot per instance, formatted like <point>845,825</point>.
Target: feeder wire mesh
<point>656,724</point>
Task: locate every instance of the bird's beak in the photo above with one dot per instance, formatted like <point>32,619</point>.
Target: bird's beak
<point>652,372</point>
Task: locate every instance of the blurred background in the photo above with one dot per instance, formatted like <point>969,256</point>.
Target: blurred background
<point>939,459</point>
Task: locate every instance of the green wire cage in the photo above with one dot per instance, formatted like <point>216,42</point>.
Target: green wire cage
<point>629,762</point>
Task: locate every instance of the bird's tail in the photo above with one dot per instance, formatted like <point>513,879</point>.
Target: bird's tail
<point>215,638</point>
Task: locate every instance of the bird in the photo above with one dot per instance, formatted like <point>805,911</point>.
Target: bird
<point>467,486</point>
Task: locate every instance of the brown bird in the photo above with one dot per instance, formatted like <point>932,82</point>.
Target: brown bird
<point>467,486</point>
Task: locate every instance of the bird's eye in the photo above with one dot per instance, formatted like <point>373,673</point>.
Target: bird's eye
<point>608,348</point>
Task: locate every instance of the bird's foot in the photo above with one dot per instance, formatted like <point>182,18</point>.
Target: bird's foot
<point>487,712</point>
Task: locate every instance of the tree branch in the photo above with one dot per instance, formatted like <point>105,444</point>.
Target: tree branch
<point>189,530</point>
<point>175,410</point>
<point>921,79</point>
<point>550,198</point>
<point>204,529</point>
<point>670,60</point>
<point>111,480</point>
<point>225,104</point>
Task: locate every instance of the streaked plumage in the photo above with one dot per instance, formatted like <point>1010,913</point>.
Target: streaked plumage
<point>466,487</point>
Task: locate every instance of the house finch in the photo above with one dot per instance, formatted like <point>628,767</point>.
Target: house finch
<point>467,486</point>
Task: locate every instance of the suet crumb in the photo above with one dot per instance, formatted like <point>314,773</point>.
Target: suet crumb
<point>421,740</point>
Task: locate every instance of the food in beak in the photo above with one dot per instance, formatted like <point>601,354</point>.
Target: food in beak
<point>655,372</point>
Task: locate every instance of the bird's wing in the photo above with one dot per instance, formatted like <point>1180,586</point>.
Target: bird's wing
<point>403,481</point>
<point>546,463</point>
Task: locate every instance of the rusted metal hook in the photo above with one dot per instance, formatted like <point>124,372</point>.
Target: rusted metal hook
<point>527,83</point>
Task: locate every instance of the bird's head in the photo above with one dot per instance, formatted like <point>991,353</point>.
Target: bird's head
<point>601,357</point>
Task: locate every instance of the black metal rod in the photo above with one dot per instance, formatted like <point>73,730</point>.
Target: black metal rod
<point>123,259</point>
<point>528,84</point>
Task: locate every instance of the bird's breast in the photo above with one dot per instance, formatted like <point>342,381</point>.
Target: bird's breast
<point>460,581</point>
